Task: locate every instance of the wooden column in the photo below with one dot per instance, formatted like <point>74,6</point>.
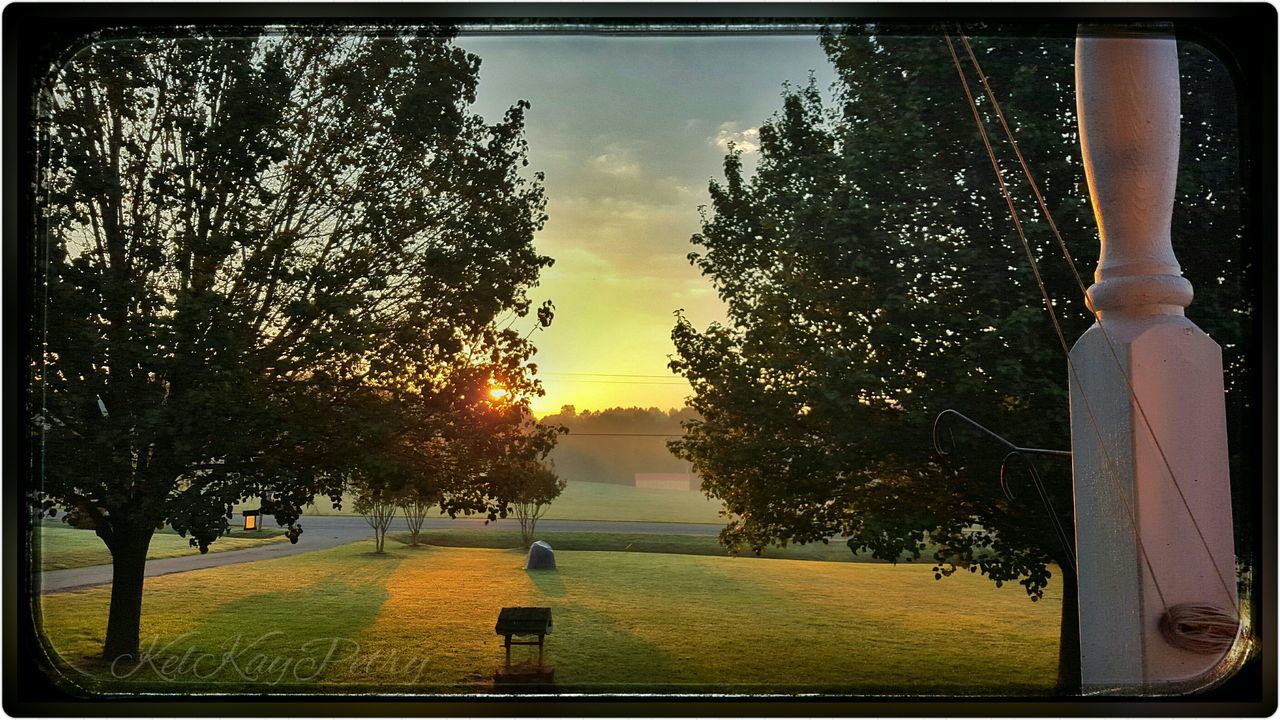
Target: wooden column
<point>1145,544</point>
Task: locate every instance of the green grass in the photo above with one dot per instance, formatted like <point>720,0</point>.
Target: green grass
<point>421,620</point>
<point>835,551</point>
<point>591,501</point>
<point>62,546</point>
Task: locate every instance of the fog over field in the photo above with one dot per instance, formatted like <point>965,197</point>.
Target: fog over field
<point>611,446</point>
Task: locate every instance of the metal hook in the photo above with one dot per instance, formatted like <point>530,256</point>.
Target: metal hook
<point>989,433</point>
<point>1004,483</point>
<point>1022,453</point>
<point>937,446</point>
<point>1069,555</point>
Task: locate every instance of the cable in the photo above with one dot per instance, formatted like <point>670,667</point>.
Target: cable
<point>615,375</point>
<point>1044,208</point>
<point>571,433</point>
<point>1108,463</point>
<point>624,382</point>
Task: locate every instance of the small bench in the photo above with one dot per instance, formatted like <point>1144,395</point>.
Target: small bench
<point>524,622</point>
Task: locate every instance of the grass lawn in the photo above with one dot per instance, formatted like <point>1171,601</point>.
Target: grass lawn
<point>421,621</point>
<point>592,501</point>
<point>835,551</point>
<point>62,546</point>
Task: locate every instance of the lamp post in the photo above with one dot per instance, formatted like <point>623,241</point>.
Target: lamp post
<point>1148,422</point>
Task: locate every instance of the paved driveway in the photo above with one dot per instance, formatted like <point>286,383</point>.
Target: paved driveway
<point>320,532</point>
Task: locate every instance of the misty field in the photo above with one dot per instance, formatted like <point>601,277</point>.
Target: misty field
<point>421,621</point>
<point>602,501</point>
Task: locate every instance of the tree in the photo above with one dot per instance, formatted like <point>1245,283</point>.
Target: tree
<point>536,485</point>
<point>416,501</point>
<point>257,255</point>
<point>872,278</point>
<point>459,460</point>
<point>509,468</point>
<point>415,506</point>
<point>378,509</point>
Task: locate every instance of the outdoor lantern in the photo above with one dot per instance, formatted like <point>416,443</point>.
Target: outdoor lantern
<point>251,519</point>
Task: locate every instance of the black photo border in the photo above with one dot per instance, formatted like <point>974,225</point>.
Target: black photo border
<point>36,34</point>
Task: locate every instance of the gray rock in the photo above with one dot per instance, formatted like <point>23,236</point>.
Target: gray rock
<point>541,557</point>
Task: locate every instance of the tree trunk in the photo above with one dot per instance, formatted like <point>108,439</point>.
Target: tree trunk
<point>128,564</point>
<point>415,515</point>
<point>1069,637</point>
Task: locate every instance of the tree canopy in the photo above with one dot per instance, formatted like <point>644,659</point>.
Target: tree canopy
<point>533,486</point>
<point>873,278</point>
<point>268,262</point>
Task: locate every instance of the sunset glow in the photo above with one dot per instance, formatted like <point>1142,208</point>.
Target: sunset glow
<point>629,131</point>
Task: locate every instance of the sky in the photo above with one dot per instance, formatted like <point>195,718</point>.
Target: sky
<point>629,131</point>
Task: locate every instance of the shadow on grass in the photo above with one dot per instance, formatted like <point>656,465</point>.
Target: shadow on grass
<point>592,644</point>
<point>282,640</point>
<point>548,582</point>
<point>372,555</point>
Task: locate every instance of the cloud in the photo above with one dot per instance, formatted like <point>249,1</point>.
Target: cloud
<point>748,140</point>
<point>615,161</point>
<point>596,238</point>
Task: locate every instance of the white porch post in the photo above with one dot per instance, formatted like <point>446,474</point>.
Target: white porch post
<point>1127,94</point>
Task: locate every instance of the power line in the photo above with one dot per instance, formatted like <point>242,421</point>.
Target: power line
<point>588,434</point>
<point>1109,463</point>
<point>1097,316</point>
<point>624,382</point>
<point>667,377</point>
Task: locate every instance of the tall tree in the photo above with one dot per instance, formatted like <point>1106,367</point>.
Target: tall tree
<point>873,278</point>
<point>535,487</point>
<point>378,508</point>
<point>462,461</point>
<point>425,490</point>
<point>258,254</point>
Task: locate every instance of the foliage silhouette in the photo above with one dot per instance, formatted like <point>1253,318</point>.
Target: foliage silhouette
<point>267,264</point>
<point>873,279</point>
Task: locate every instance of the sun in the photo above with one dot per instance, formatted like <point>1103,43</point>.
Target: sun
<point>498,393</point>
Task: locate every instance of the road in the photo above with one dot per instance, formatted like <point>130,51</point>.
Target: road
<point>326,531</point>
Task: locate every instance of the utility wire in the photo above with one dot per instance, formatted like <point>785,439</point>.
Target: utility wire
<point>623,382</point>
<point>1044,208</point>
<point>571,433</point>
<point>1097,317</point>
<point>1108,463</point>
<point>614,375</point>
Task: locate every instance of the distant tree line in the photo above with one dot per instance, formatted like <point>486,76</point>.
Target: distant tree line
<point>635,443</point>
